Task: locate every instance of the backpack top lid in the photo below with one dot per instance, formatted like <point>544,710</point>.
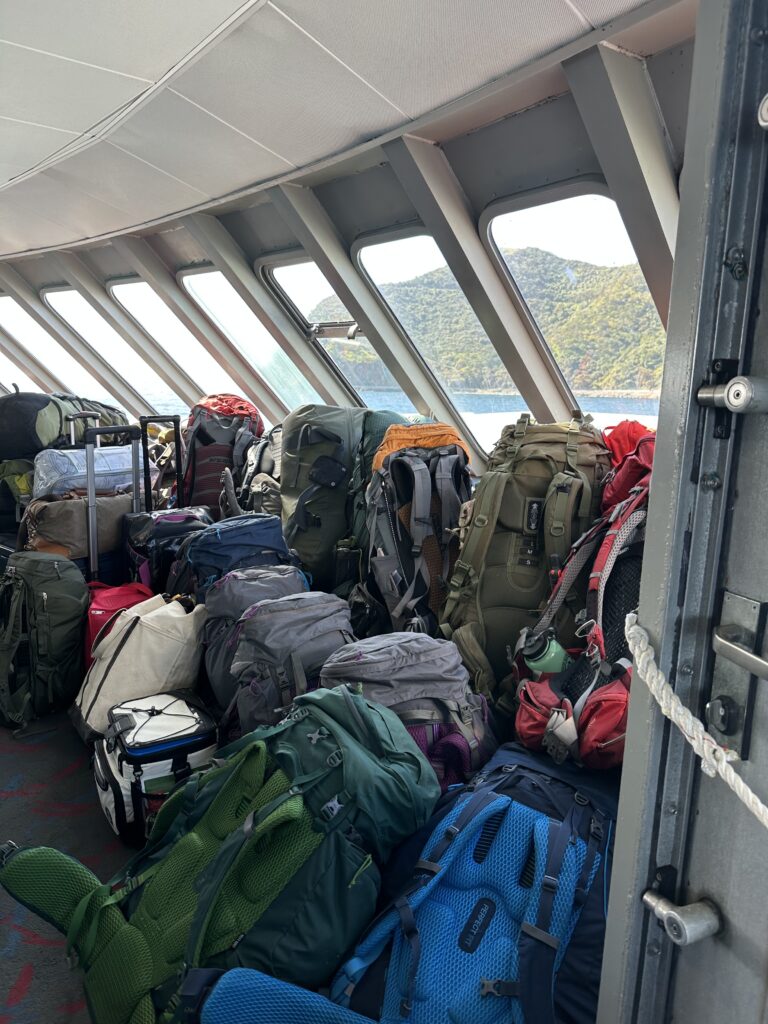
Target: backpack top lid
<point>233,594</point>
<point>417,435</point>
<point>383,663</point>
<point>229,405</point>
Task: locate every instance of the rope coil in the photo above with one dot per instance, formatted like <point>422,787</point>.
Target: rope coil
<point>715,759</point>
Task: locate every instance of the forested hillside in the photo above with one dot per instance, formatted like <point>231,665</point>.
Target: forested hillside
<point>599,321</point>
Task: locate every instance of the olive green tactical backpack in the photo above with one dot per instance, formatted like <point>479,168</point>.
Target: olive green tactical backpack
<point>326,464</point>
<point>540,493</point>
<point>267,860</point>
<point>43,603</point>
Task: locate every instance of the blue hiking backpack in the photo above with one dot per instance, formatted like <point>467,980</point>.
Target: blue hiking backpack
<point>502,916</point>
<point>237,543</point>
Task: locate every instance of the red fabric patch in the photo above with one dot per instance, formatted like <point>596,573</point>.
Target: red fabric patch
<point>622,439</point>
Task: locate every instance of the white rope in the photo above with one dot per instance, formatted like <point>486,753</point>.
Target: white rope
<point>714,758</point>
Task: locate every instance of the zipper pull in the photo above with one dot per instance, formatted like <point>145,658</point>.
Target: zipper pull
<point>45,601</point>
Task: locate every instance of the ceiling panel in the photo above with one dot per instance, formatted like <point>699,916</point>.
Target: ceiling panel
<point>273,83</point>
<point>58,93</point>
<point>23,145</point>
<point>423,54</point>
<point>141,192</point>
<point>180,138</point>
<point>22,229</point>
<point>83,214</point>
<point>141,37</point>
<point>600,12</point>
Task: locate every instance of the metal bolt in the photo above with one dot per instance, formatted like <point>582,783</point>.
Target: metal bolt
<point>653,949</point>
<point>717,365</point>
<point>671,808</point>
<point>762,112</point>
<point>722,714</point>
<point>759,35</point>
<point>736,262</point>
<point>686,669</point>
<point>710,482</point>
<point>720,431</point>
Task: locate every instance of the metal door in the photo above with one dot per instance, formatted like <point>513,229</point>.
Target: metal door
<point>706,566</point>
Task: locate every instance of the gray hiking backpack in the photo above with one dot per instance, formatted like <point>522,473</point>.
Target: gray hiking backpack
<point>253,485</point>
<point>540,493</point>
<point>325,467</point>
<point>424,682</point>
<point>227,600</point>
<point>43,603</point>
<point>282,646</point>
<point>414,504</point>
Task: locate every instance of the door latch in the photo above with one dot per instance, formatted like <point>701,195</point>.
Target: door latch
<point>739,395</point>
<point>684,925</point>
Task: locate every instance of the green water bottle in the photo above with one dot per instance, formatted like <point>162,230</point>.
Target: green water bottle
<point>544,653</point>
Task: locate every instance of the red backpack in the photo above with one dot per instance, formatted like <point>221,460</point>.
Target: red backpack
<point>105,603</point>
<point>582,711</point>
<point>217,428</point>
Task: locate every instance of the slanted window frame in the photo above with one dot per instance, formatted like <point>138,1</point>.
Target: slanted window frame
<point>207,268</point>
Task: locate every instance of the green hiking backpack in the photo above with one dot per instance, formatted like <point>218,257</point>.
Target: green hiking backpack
<point>30,422</point>
<point>43,604</point>
<point>325,468</point>
<point>267,860</point>
<point>540,493</point>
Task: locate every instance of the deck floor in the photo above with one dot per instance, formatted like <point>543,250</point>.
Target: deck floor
<point>47,798</point>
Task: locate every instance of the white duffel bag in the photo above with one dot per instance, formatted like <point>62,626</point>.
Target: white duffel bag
<point>150,745</point>
<point>151,648</point>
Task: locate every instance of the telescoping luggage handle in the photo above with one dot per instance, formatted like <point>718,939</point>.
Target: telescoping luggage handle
<point>91,439</point>
<point>72,419</point>
<point>175,421</point>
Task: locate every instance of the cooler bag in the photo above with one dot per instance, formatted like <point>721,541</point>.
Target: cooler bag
<point>150,745</point>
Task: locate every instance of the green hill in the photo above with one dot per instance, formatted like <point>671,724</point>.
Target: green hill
<point>599,322</point>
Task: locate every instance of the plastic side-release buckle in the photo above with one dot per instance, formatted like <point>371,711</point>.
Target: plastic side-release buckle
<point>195,989</point>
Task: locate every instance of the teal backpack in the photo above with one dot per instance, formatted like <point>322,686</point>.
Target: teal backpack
<point>43,604</point>
<point>267,860</point>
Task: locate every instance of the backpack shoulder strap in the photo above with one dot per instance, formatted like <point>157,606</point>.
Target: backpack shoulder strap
<point>469,565</point>
<point>419,526</point>
<point>624,524</point>
<point>10,639</point>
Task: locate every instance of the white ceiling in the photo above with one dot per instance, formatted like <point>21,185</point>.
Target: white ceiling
<point>114,113</point>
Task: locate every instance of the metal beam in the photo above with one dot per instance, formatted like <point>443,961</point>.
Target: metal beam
<point>145,346</point>
<point>309,221</point>
<point>424,172</point>
<point>228,257</point>
<point>156,274</point>
<point>20,289</point>
<point>618,106</point>
<point>29,363</point>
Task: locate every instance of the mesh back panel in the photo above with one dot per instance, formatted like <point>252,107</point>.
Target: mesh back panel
<point>248,997</point>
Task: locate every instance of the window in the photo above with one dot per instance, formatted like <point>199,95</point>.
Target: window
<point>29,334</point>
<point>414,279</point>
<point>10,374</point>
<point>574,266</point>
<point>149,310</point>
<point>83,318</point>
<point>216,296</point>
<point>305,285</point>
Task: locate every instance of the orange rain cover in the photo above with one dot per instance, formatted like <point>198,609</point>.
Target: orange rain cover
<point>417,435</point>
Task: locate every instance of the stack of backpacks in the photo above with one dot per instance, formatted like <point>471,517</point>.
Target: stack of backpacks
<point>363,721</point>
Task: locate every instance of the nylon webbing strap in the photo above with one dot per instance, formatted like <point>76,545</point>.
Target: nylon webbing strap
<point>488,500</point>
<point>569,576</point>
<point>420,527</point>
<point>9,644</point>
<point>537,948</point>
<point>623,536</point>
<point>413,938</point>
